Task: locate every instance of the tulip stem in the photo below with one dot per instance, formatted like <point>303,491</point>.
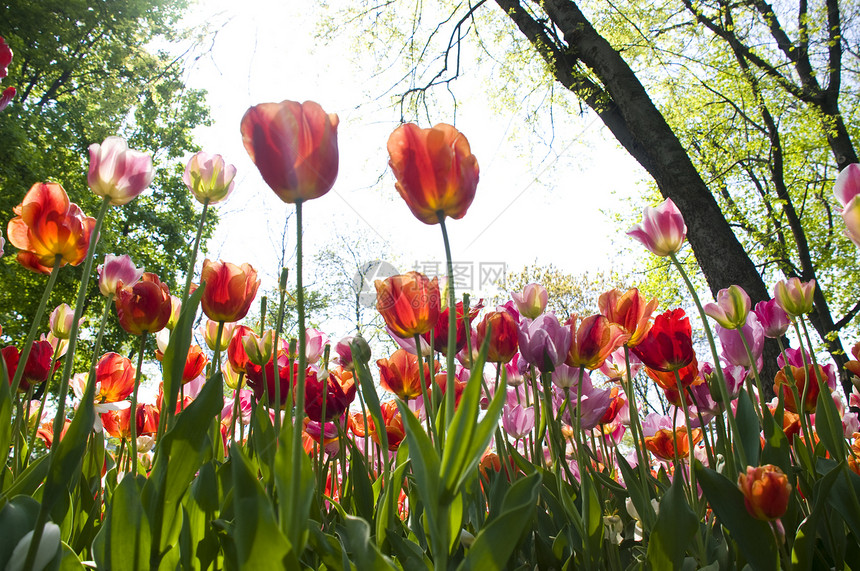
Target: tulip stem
<point>428,410</point>
<point>721,380</point>
<point>452,324</point>
<point>193,260</point>
<point>32,438</point>
<point>132,417</point>
<point>34,328</point>
<point>297,450</point>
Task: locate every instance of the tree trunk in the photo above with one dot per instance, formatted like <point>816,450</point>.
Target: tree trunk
<point>626,109</point>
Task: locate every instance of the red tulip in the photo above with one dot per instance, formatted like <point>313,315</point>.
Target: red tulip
<point>669,344</point>
<point>144,307</point>
<point>339,393</point>
<point>440,329</point>
<point>230,290</point>
<point>294,146</point>
<point>236,354</point>
<point>49,225</point>
<point>254,375</point>
<point>504,336</point>
<point>435,170</point>
<point>394,428</point>
<point>38,367</point>
<point>114,378</point>
<point>662,443</point>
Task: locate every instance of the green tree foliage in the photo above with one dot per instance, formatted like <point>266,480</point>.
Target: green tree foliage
<point>85,70</point>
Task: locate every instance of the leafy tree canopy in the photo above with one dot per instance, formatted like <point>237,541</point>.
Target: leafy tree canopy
<point>85,70</point>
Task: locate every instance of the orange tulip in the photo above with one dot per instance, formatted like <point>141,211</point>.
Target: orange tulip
<point>116,422</point>
<point>662,444</point>
<point>145,306</point>
<point>799,378</point>
<point>294,146</point>
<point>399,374</point>
<point>409,303</point>
<point>394,428</point>
<point>230,290</point>
<point>435,170</point>
<point>47,226</point>
<point>766,491</point>
<point>630,311</point>
<point>195,363</point>
<point>593,339</point>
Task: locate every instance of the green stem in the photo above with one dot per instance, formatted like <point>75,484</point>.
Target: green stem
<point>34,328</point>
<point>635,425</point>
<point>59,419</point>
<point>190,276</point>
<point>721,381</point>
<point>297,450</point>
<point>132,418</point>
<point>428,412</point>
<point>32,438</point>
<point>452,324</point>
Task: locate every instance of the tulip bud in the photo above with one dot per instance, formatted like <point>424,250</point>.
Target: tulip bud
<point>60,321</point>
<point>795,297</point>
<point>731,309</point>
<point>259,349</point>
<point>360,349</point>
<point>532,302</point>
<point>662,229</point>
<point>209,177</point>
<point>175,310</point>
<point>766,491</point>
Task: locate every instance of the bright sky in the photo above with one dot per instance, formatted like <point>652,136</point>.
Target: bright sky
<point>544,208</point>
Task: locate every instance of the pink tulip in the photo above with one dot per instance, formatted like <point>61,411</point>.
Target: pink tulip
<point>117,271</point>
<point>7,96</point>
<point>662,229</point>
<point>772,317</point>
<point>594,403</point>
<point>315,342</point>
<point>118,173</point>
<point>517,420</point>
<point>209,177</point>
<point>733,347</point>
<point>532,302</point>
<point>851,217</point>
<point>847,184</point>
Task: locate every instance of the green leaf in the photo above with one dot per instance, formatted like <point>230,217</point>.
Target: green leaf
<point>425,468</point>
<point>749,428</point>
<point>17,518</point>
<point>29,480</point>
<point>498,539</point>
<point>753,537</point>
<point>283,479</point>
<point>676,525</point>
<point>368,390</point>
<point>844,495</point>
<point>124,537</point>
<point>355,535</point>
<point>183,449</point>
<point>828,425</point>
<point>176,354</point>
<point>5,409</point>
<point>257,537</point>
<point>804,541</point>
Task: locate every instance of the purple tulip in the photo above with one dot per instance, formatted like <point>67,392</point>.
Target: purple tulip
<point>544,342</point>
<point>517,420</point>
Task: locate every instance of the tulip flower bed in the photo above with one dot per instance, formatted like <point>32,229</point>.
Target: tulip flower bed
<point>497,438</point>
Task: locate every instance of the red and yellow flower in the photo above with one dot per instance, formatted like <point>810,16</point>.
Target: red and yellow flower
<point>47,225</point>
<point>399,374</point>
<point>144,307</point>
<point>409,303</point>
<point>766,491</point>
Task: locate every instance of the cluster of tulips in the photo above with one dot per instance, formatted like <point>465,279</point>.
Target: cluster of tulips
<point>503,437</point>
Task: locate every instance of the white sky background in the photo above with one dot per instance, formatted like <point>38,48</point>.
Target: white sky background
<point>526,210</point>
